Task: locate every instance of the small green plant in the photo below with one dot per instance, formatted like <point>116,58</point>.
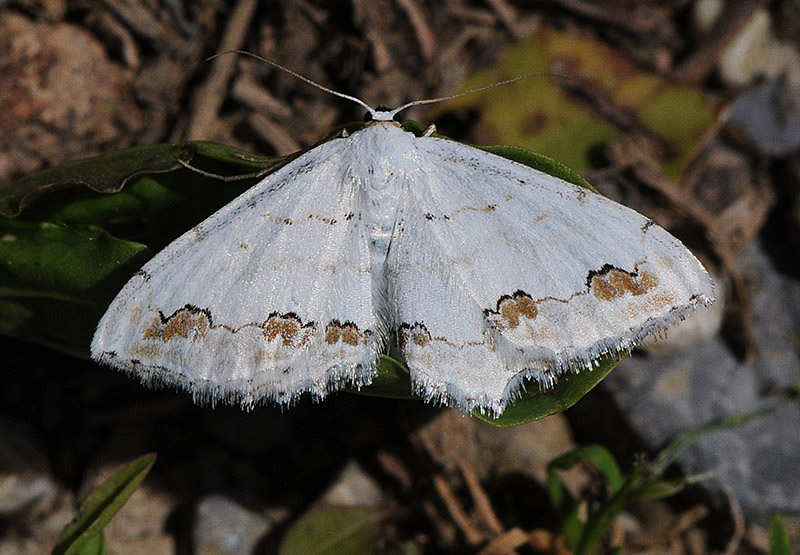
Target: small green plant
<point>644,481</point>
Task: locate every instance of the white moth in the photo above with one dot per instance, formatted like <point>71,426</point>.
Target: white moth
<point>477,271</point>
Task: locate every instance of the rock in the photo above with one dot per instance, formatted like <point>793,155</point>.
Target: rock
<point>224,526</point>
<point>767,118</point>
<point>34,507</point>
<point>755,52</point>
<point>27,488</point>
<point>354,488</point>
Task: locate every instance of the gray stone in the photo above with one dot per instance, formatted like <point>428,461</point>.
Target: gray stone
<point>27,488</point>
<point>768,117</point>
<point>224,526</point>
<point>662,396</point>
<point>354,488</point>
<point>34,507</point>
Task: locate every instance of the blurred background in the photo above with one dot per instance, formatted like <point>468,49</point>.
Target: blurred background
<point>688,112</point>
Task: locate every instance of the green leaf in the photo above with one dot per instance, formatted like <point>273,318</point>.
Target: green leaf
<point>392,381</point>
<point>329,529</point>
<point>536,403</point>
<point>778,538</point>
<point>541,114</point>
<point>100,507</point>
<point>110,172</point>
<point>53,280</point>
<point>565,505</point>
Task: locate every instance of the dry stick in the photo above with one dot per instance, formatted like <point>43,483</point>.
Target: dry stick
<point>483,505</point>
<point>697,66</point>
<point>396,468</point>
<point>425,36</point>
<point>209,98</point>
<point>136,16</point>
<point>601,12</point>
<point>508,17</point>
<point>738,523</point>
<point>545,540</point>
<point>277,136</point>
<point>473,536</point>
<point>508,542</point>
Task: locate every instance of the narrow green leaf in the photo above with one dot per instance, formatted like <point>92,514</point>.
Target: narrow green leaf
<point>575,531</point>
<point>600,521</point>
<point>778,538</point>
<point>642,483</point>
<point>101,505</point>
<point>668,454</point>
<point>334,530</point>
<point>96,545</point>
<point>659,489</point>
<point>566,507</point>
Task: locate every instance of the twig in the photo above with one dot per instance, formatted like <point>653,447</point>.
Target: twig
<point>509,18</point>
<point>396,468</point>
<point>738,524</point>
<point>211,95</point>
<point>638,21</point>
<point>506,543</point>
<point>274,134</point>
<point>139,17</point>
<point>471,533</point>
<point>544,540</point>
<point>483,505</point>
<point>425,36</point>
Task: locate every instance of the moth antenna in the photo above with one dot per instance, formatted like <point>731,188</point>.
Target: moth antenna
<point>358,101</point>
<point>472,91</point>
